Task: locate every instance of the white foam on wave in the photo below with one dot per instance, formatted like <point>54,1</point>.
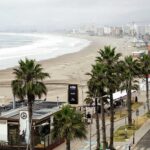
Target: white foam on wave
<point>46,46</point>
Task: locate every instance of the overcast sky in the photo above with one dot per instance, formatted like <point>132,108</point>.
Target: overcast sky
<point>61,14</point>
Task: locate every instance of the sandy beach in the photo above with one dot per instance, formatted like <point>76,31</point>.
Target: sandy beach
<point>69,68</point>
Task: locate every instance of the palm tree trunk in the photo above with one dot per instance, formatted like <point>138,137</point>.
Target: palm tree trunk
<point>97,126</point>
<point>68,144</point>
<point>147,93</point>
<point>103,124</point>
<point>129,104</point>
<point>111,146</point>
<point>30,99</point>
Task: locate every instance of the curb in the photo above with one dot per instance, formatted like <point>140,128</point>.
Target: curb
<point>141,133</point>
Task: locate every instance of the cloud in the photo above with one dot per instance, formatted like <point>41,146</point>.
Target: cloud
<point>68,13</point>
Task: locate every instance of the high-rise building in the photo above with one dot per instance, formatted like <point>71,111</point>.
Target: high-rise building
<point>107,30</point>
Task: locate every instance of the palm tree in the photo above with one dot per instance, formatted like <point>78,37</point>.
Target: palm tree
<point>113,84</point>
<point>131,70</point>
<point>145,70</point>
<point>110,58</point>
<point>96,86</point>
<point>69,124</point>
<point>88,100</point>
<point>93,92</point>
<point>28,84</point>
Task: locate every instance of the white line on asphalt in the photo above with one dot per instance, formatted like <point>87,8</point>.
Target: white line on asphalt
<point>117,147</point>
<point>93,147</point>
<point>86,146</point>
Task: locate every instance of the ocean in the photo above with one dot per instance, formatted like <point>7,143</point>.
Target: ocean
<point>16,46</point>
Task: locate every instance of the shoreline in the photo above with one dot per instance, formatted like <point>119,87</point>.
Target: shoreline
<point>69,68</point>
<point>37,46</point>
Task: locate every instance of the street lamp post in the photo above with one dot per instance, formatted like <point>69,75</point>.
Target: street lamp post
<point>137,114</point>
<point>133,137</point>
<point>125,121</point>
<point>134,131</point>
<point>89,120</point>
<point>82,94</point>
<point>90,133</point>
<point>120,111</point>
<point>126,136</point>
<point>57,101</point>
<point>144,107</point>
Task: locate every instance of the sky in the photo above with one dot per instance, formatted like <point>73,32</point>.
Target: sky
<point>65,14</point>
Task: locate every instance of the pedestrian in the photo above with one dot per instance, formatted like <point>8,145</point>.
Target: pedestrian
<point>136,99</point>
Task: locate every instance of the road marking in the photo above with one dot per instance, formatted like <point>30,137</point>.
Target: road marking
<point>117,147</point>
<point>86,146</point>
<point>121,147</point>
<point>92,142</point>
<point>93,147</point>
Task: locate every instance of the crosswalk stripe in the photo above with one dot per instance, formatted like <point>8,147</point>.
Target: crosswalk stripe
<point>120,147</point>
<point>86,146</point>
<point>93,146</point>
<point>117,147</point>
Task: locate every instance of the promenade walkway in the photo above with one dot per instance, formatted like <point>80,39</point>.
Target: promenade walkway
<point>85,144</point>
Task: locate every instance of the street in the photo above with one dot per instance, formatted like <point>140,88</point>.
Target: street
<point>144,143</point>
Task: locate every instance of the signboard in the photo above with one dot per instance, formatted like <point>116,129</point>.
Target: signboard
<point>73,94</point>
<point>4,130</point>
<point>23,115</point>
<point>24,125</point>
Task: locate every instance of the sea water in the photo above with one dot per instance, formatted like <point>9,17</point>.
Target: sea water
<point>16,46</point>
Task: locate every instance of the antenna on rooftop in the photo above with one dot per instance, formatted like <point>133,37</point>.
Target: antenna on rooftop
<point>14,103</point>
<point>57,101</point>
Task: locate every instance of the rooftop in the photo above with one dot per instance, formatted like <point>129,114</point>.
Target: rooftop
<point>41,109</point>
